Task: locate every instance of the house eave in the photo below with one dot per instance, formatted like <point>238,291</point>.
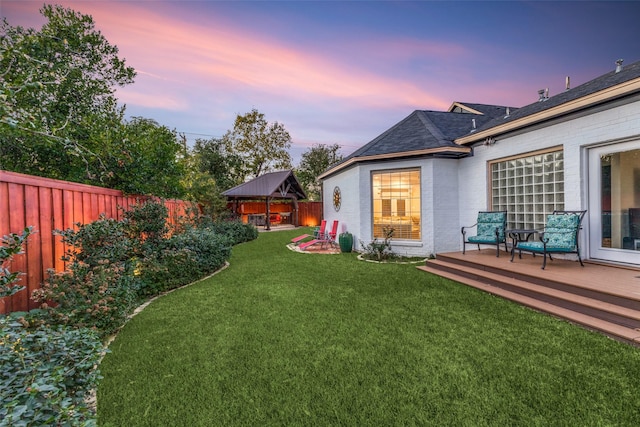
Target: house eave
<point>587,101</point>
<point>464,107</point>
<point>398,155</point>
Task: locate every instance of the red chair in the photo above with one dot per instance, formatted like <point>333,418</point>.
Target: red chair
<point>319,231</point>
<point>323,238</point>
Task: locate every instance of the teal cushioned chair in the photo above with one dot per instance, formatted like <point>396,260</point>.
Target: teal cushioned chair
<point>490,230</point>
<point>560,236</point>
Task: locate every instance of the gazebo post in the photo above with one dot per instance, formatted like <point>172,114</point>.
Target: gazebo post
<point>267,220</point>
<point>294,213</point>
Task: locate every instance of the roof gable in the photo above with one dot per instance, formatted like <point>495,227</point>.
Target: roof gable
<point>493,111</point>
<point>282,184</point>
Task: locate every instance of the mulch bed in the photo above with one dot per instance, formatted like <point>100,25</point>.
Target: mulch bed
<point>316,249</point>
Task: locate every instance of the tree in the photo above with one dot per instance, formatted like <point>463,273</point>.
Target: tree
<point>209,172</point>
<point>57,94</point>
<point>313,162</point>
<point>261,146</point>
<point>225,168</point>
<point>145,157</point>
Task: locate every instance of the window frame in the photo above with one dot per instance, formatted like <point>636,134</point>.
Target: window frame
<point>408,229</point>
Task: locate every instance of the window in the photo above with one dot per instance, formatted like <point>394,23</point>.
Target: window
<point>396,203</point>
<point>528,188</point>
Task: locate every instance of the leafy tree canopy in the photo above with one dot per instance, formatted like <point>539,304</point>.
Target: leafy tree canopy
<point>226,168</point>
<point>261,146</point>
<point>314,161</point>
<point>53,81</point>
<point>59,116</point>
<point>145,158</point>
<point>211,171</point>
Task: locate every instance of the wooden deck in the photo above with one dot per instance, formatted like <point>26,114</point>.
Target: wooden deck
<point>601,297</point>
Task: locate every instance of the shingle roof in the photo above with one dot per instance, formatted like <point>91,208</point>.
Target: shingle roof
<point>628,72</point>
<point>422,130</point>
<point>282,184</point>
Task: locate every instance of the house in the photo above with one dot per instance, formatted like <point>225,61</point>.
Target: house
<point>430,174</point>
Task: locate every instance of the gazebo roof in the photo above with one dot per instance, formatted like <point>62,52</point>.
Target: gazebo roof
<point>282,184</point>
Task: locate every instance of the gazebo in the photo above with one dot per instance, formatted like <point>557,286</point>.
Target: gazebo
<point>267,187</point>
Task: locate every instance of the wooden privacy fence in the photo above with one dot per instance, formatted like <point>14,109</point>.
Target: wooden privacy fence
<point>309,213</point>
<point>48,205</point>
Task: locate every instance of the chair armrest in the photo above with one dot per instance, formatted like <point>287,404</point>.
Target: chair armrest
<point>467,226</point>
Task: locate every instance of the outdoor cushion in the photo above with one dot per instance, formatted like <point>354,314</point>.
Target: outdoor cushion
<point>560,232</point>
<point>539,247</point>
<point>483,239</point>
<point>486,226</point>
<point>559,236</point>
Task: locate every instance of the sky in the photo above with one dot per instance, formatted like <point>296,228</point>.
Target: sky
<point>343,72</point>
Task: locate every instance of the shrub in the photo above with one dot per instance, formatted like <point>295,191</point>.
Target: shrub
<point>46,374</point>
<point>98,290</point>
<point>103,239</point>
<point>11,245</point>
<point>184,258</point>
<point>146,225</point>
<point>379,251</point>
<point>237,231</point>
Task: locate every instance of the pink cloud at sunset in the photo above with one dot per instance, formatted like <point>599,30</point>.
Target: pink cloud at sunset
<point>211,56</point>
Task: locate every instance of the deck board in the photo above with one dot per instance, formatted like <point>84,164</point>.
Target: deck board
<point>623,281</point>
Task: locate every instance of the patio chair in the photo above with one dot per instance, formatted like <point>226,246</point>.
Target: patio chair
<point>324,238</point>
<point>560,236</point>
<point>317,232</point>
<point>490,230</point>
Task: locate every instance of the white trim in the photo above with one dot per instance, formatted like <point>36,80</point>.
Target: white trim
<point>594,220</point>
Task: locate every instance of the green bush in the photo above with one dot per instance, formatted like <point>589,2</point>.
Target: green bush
<point>379,251</point>
<point>103,239</point>
<point>46,374</point>
<point>237,231</point>
<point>146,226</point>
<point>11,245</point>
<point>98,290</point>
<point>185,257</point>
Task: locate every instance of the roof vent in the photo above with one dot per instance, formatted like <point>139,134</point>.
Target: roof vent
<point>567,83</point>
<point>508,113</point>
<point>619,65</point>
<point>473,124</point>
<point>543,94</point>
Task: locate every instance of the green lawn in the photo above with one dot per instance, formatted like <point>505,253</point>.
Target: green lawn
<point>283,338</point>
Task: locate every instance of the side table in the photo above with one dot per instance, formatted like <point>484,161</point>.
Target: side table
<point>518,235</point>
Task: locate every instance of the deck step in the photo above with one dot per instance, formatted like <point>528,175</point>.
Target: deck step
<point>545,300</point>
<point>588,305</point>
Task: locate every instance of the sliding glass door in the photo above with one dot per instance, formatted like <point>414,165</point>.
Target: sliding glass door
<point>614,202</point>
